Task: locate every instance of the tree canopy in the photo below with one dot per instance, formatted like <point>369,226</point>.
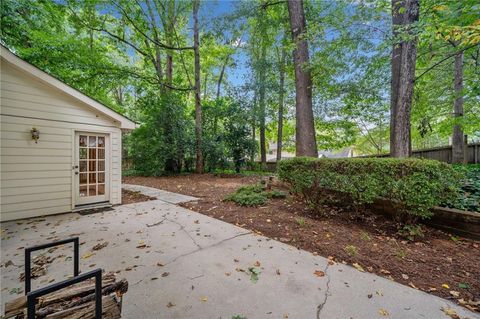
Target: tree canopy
<point>139,58</point>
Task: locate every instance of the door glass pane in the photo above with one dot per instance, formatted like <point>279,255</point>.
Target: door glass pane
<point>83,153</point>
<point>83,140</point>
<point>92,153</point>
<point>92,141</point>
<point>83,191</point>
<point>101,141</point>
<point>92,166</point>
<point>101,166</point>
<point>92,190</point>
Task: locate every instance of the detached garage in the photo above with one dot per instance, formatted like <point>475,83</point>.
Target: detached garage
<point>60,150</point>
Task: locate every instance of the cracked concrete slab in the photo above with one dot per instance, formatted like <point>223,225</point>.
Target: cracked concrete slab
<point>168,197</point>
<point>194,266</point>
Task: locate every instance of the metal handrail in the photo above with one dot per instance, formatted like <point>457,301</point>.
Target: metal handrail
<point>28,254</point>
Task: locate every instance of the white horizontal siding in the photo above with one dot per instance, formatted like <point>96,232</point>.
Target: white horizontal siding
<point>36,178</point>
<point>16,159</point>
<point>37,189</point>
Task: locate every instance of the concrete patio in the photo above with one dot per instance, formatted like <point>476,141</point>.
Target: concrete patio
<point>181,264</point>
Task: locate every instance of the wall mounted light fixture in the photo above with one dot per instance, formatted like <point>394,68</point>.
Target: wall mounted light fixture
<point>35,134</point>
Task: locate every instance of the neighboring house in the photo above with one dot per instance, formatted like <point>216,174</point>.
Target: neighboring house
<point>343,153</point>
<point>272,153</point>
<point>59,149</point>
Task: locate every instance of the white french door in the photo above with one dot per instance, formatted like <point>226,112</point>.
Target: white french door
<point>91,168</point>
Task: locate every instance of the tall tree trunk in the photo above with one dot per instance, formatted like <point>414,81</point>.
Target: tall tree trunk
<point>281,94</point>
<point>261,104</point>
<point>404,54</point>
<point>169,35</point>
<point>254,124</point>
<point>457,137</point>
<point>198,105</point>
<point>305,141</point>
<point>220,78</point>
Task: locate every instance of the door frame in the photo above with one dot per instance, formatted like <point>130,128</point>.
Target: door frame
<point>75,160</point>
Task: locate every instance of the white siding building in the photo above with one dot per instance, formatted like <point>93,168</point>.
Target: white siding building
<point>76,160</point>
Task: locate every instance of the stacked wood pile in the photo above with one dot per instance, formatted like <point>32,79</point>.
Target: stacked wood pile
<point>74,302</point>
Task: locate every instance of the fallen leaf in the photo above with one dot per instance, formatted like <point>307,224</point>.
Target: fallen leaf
<point>170,304</point>
<point>405,276</point>
<point>100,245</point>
<point>154,278</point>
<point>278,272</point>
<point>228,274</point>
<point>445,286</point>
<point>319,273</point>
<point>254,272</point>
<point>383,312</point>
<point>358,267</point>
<point>454,293</point>
<point>88,255</point>
<point>159,264</point>
<point>204,299</point>
<point>141,244</point>
<point>451,313</point>
<point>165,274</point>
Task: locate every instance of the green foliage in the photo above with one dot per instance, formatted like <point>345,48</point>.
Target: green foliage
<point>469,195</point>
<point>365,236</point>
<point>351,250</point>
<point>300,221</point>
<point>411,232</point>
<point>415,185</point>
<point>250,195</point>
<point>276,194</point>
<point>400,253</point>
<point>163,143</point>
<point>253,195</point>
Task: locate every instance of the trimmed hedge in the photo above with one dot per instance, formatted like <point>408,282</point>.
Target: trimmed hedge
<point>414,185</point>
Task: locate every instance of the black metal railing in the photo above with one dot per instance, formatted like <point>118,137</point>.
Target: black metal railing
<point>33,295</point>
<point>28,256</point>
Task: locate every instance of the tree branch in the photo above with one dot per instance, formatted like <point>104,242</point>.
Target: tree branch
<point>441,61</point>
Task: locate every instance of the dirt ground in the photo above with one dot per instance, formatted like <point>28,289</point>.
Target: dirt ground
<point>439,263</point>
<point>129,197</point>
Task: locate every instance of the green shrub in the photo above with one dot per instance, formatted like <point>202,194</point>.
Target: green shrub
<point>253,195</point>
<point>469,195</point>
<point>415,185</point>
<point>250,195</point>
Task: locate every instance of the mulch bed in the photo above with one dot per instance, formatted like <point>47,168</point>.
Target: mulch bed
<point>129,197</point>
<point>438,263</point>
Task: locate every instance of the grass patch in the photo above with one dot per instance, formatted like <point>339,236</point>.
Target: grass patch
<point>301,221</point>
<point>351,250</point>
